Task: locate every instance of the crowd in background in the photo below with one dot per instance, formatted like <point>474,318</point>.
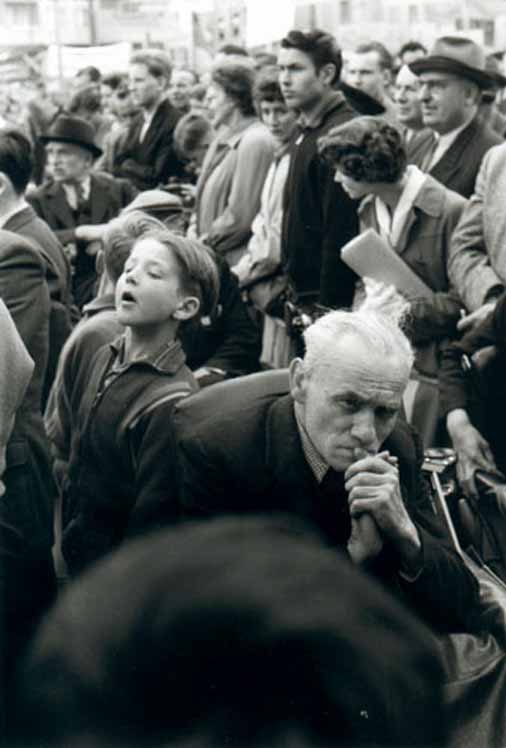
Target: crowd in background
<point>163,232</point>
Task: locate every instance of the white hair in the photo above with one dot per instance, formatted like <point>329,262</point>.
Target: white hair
<point>377,322</point>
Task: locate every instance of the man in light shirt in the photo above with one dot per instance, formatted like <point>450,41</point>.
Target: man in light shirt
<point>451,79</point>
<point>370,70</point>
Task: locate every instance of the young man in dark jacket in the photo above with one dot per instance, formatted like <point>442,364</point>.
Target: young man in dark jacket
<point>318,218</point>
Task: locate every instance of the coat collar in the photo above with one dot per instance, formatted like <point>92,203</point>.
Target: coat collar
<point>335,99</point>
<point>99,200</point>
<point>454,158</point>
<point>167,360</point>
<point>430,200</point>
<point>285,458</point>
<point>20,218</point>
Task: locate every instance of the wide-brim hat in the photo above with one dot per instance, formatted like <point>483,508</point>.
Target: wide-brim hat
<point>361,101</point>
<point>74,130</point>
<point>457,55</point>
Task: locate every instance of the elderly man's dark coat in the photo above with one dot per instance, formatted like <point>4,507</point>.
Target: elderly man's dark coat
<point>241,453</point>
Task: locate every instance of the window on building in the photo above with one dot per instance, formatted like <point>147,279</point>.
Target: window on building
<point>345,11</point>
<point>394,13</point>
<point>488,28</point>
<point>413,14</point>
<point>22,13</point>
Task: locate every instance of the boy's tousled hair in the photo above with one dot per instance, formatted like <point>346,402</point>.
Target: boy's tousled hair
<point>120,236</point>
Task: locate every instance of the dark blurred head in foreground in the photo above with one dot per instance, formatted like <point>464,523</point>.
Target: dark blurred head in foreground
<point>230,633</point>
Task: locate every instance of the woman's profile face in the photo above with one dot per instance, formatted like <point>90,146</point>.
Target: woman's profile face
<point>356,190</point>
<point>219,105</point>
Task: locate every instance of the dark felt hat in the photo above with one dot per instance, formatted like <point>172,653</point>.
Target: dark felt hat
<point>454,54</point>
<point>155,201</point>
<point>361,101</point>
<point>75,130</point>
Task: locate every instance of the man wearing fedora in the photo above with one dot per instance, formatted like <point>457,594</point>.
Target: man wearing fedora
<point>452,78</point>
<point>75,201</point>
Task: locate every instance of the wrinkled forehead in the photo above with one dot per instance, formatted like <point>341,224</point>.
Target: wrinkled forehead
<point>356,367</point>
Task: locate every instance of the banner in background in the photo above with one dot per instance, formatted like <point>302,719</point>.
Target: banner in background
<point>65,61</point>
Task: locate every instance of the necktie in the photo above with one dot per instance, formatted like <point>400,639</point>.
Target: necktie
<point>80,198</point>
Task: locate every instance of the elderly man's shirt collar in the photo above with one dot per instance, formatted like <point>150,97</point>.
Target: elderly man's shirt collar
<point>318,466</point>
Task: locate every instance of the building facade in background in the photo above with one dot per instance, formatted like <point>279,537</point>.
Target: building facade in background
<point>176,25</point>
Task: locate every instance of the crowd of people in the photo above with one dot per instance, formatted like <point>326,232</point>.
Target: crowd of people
<point>234,310</point>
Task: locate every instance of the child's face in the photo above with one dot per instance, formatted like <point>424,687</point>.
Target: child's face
<point>148,292</point>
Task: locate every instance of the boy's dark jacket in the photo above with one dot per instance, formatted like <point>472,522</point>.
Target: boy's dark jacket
<point>121,474</point>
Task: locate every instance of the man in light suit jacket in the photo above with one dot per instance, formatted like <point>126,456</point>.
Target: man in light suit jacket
<point>451,80</point>
<point>76,202</point>
<point>477,258</point>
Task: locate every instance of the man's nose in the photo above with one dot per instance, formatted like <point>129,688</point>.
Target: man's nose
<point>424,92</point>
<point>284,77</point>
<point>131,275</point>
<point>364,426</point>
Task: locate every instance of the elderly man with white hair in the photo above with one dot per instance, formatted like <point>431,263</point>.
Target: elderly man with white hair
<point>334,452</point>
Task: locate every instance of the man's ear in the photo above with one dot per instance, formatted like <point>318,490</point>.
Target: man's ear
<point>187,308</point>
<point>5,184</point>
<point>298,380</point>
<point>327,73</point>
<point>387,77</point>
<point>99,262</point>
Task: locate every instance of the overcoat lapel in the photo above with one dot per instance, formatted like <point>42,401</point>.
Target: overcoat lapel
<point>59,207</point>
<point>454,159</point>
<point>99,200</point>
<point>286,462</point>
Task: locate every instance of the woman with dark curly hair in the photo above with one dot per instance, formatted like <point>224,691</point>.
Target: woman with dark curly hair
<point>236,164</point>
<point>416,215</point>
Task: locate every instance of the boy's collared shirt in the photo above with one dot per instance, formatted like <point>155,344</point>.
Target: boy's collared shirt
<point>167,359</point>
